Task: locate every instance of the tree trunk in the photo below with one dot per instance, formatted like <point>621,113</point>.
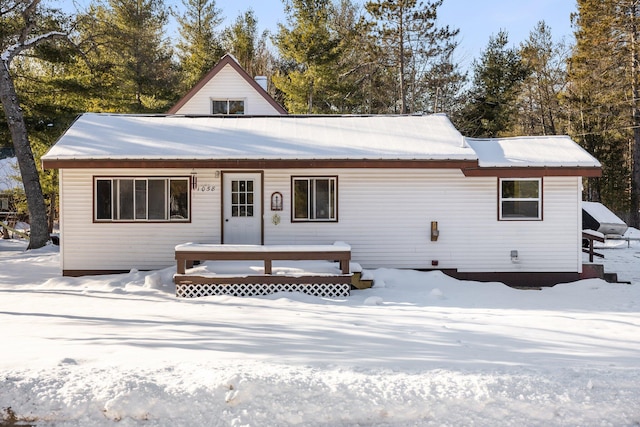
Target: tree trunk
<point>635,150</point>
<point>310,98</point>
<point>401,68</point>
<point>30,179</point>
<point>52,212</point>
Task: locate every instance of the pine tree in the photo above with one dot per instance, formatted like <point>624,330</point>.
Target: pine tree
<point>312,49</point>
<point>355,67</point>
<point>199,46</point>
<point>413,44</point>
<point>242,40</point>
<point>492,99</point>
<point>131,58</point>
<point>443,85</point>
<point>602,99</point>
<point>539,109</point>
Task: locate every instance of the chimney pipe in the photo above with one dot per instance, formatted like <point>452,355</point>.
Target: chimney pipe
<point>262,81</point>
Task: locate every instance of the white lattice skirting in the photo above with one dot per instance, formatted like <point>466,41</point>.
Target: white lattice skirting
<point>330,290</point>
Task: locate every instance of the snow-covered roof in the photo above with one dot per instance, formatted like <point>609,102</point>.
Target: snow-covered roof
<point>601,213</point>
<point>111,136</point>
<point>115,137</point>
<point>531,151</point>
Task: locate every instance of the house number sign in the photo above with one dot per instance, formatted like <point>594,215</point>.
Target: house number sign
<point>207,187</point>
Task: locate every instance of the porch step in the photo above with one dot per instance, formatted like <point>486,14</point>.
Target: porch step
<point>358,283</point>
<point>613,278</point>
<point>596,271</point>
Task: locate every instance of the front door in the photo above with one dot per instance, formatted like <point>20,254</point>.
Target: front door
<point>242,208</point>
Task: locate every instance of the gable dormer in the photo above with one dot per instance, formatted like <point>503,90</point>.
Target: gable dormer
<point>228,89</point>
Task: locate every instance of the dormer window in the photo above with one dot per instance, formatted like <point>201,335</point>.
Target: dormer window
<point>228,106</point>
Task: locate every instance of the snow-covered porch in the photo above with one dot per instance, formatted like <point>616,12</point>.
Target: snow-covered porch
<point>248,270</point>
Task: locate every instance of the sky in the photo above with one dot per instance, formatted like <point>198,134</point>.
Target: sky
<point>477,19</point>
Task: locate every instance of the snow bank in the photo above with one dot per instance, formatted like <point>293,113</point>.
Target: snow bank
<point>417,349</point>
<point>272,395</point>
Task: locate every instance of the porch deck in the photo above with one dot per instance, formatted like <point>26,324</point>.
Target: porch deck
<point>322,270</point>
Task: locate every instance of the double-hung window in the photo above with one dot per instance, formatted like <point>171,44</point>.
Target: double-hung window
<point>141,199</point>
<point>520,199</point>
<point>314,198</point>
<point>227,106</point>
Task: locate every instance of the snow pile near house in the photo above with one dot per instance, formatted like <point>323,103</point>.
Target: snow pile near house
<point>419,348</point>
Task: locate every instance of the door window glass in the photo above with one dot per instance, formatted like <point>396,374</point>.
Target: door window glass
<point>242,198</point>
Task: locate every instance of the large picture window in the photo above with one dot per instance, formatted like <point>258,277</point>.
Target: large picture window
<point>520,199</point>
<point>142,199</point>
<point>228,106</point>
<point>314,198</point>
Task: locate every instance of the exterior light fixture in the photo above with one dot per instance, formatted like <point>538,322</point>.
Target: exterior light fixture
<point>194,180</point>
<point>434,231</point>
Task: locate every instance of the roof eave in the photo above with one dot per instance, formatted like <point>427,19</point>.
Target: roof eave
<point>534,171</point>
<point>110,163</point>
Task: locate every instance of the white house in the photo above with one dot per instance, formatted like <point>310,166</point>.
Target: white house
<point>228,89</point>
<point>403,191</point>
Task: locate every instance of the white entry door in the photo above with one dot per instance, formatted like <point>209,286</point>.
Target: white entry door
<point>242,208</point>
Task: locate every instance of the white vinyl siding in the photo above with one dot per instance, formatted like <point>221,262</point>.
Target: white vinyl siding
<point>228,84</point>
<point>90,245</point>
<point>384,214</point>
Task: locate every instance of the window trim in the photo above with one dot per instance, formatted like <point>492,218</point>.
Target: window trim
<point>228,100</point>
<point>187,179</point>
<point>539,199</point>
<point>333,178</point>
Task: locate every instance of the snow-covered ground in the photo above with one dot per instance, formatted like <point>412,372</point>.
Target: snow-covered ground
<point>418,349</point>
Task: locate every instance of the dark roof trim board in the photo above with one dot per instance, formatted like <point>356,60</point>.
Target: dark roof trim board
<point>533,172</point>
<point>258,163</point>
<point>227,60</point>
<point>469,168</point>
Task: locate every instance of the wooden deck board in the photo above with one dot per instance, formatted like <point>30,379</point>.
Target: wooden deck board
<point>261,279</point>
<point>187,253</point>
